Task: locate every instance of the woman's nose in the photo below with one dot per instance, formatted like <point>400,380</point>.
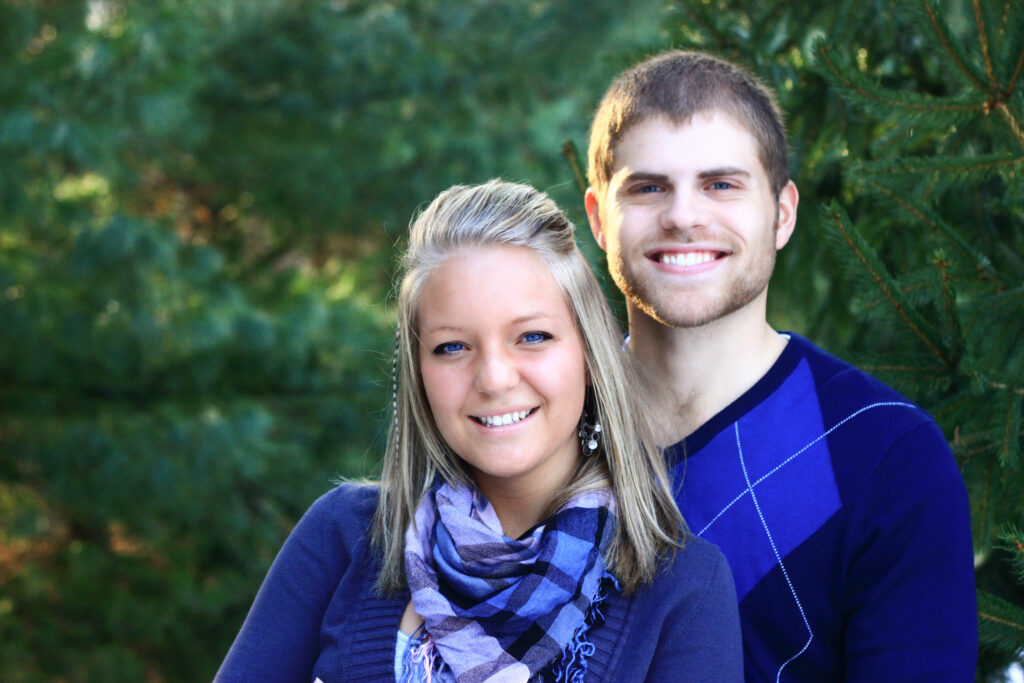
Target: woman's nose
<point>496,373</point>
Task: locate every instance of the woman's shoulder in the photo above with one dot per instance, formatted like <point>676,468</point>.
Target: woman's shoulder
<point>352,494</point>
<point>346,504</point>
<point>694,571</point>
<point>700,552</point>
<point>334,533</point>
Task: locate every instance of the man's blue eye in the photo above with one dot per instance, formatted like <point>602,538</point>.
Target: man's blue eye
<point>721,185</point>
<point>448,348</point>
<point>534,337</point>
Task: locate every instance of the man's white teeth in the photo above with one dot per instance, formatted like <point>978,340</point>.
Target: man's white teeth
<point>690,258</point>
<point>506,419</point>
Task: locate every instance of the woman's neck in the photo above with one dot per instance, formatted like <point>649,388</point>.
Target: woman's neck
<point>518,511</point>
<point>522,504</point>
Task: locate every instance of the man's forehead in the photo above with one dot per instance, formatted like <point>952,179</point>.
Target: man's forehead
<point>708,140</point>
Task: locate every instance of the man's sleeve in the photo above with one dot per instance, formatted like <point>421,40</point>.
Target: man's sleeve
<point>280,639</point>
<point>910,608</point>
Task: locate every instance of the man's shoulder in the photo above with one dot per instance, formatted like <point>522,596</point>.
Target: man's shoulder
<point>867,422</point>
<point>810,394</point>
<point>843,388</point>
<point>832,373</point>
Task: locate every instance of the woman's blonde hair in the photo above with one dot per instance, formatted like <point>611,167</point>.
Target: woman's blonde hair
<point>648,524</point>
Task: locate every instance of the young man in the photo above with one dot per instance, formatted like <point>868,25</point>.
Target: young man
<point>836,500</point>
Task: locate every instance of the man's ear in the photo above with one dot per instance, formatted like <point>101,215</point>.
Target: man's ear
<point>789,197</point>
<point>594,217</point>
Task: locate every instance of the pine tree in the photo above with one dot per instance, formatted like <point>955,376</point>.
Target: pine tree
<point>933,244</point>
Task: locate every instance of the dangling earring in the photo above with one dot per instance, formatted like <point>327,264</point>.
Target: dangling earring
<point>590,435</point>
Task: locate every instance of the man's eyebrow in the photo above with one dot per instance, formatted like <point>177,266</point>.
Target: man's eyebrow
<point>723,171</point>
<point>635,176</point>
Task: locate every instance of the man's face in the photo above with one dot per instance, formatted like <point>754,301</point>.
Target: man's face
<point>689,220</point>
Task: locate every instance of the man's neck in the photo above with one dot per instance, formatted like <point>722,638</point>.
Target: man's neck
<point>691,374</point>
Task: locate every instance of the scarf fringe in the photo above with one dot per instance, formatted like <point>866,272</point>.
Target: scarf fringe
<point>572,666</point>
<point>421,657</point>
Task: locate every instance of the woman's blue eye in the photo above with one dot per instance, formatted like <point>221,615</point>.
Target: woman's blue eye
<point>647,189</point>
<point>448,348</point>
<point>534,337</point>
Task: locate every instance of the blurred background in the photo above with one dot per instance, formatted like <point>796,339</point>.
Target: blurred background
<point>201,206</point>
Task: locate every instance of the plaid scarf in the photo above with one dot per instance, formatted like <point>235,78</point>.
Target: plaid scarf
<point>499,609</point>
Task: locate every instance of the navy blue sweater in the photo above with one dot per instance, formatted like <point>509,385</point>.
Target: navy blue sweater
<point>317,616</point>
<point>845,520</point>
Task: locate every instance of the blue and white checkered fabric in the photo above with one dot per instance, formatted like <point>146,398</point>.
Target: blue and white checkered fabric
<point>501,609</point>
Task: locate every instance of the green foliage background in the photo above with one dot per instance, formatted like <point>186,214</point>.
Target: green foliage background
<point>200,206</point>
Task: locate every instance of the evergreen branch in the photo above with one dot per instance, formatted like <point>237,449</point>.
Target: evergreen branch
<point>1011,427</point>
<point>949,305</point>
<point>572,155</point>
<point>950,407</point>
<point>720,38</point>
<point>909,103</point>
<point>986,449</point>
<point>984,381</point>
<point>1003,18</point>
<point>915,370</point>
<point>981,435</point>
<point>1016,73</point>
<point>920,165</point>
<point>1000,623</point>
<point>964,456</point>
<point>1014,125</point>
<point>1004,622</point>
<point>979,21</point>
<point>986,533</point>
<point>1012,541</point>
<point>881,279</point>
<point>936,224</point>
<point>944,38</point>
<point>998,297</point>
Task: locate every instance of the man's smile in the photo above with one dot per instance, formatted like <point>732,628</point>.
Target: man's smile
<point>685,258</point>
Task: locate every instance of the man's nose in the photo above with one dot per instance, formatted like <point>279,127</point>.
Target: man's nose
<point>686,209</point>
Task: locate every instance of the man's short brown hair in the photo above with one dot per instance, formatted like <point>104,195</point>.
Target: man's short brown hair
<point>677,85</point>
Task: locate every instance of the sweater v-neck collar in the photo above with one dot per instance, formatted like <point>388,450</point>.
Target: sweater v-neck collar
<point>762,389</point>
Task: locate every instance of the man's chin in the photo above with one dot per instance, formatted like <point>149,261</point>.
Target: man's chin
<point>692,314</point>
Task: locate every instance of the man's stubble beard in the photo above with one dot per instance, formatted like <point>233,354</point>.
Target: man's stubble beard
<point>677,309</point>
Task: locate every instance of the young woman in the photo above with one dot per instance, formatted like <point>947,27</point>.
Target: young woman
<point>524,528</point>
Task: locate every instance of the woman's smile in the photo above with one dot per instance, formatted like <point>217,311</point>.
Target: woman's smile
<point>505,419</point>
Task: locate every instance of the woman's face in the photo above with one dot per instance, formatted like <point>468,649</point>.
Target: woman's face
<point>503,368</point>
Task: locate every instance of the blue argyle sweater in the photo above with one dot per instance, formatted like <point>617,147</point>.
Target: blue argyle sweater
<point>845,521</point>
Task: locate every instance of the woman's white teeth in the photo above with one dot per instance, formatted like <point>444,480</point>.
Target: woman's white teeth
<point>690,258</point>
<point>501,420</point>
